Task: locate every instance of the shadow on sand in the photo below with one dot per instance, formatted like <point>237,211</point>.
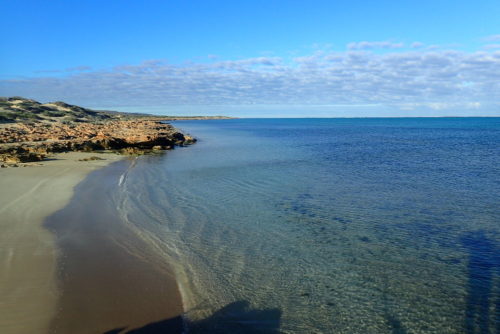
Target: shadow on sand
<point>236,317</point>
<point>483,268</point>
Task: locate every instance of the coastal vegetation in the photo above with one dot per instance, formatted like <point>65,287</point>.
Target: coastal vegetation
<point>18,109</point>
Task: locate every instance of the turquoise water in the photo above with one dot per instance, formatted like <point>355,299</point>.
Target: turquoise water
<point>328,225</point>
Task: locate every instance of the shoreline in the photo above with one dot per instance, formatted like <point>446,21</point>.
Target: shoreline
<point>32,288</point>
<point>111,280</point>
<point>28,254</point>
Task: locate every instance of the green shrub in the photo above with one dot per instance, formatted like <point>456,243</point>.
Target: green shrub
<point>53,113</point>
<point>23,115</point>
<point>4,118</point>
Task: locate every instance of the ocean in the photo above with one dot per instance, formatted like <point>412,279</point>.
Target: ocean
<point>327,225</point>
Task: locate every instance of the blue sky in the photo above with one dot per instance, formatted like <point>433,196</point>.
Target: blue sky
<point>256,58</point>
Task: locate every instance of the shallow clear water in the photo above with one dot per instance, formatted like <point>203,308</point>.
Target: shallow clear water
<point>328,225</point>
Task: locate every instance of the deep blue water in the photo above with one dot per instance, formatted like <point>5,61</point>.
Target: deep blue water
<point>328,225</point>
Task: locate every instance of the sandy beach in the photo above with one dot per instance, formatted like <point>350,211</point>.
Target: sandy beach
<point>29,289</point>
<point>28,294</point>
<point>69,261</point>
<point>110,279</point>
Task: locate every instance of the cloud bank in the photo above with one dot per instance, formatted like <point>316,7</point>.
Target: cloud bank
<point>403,77</point>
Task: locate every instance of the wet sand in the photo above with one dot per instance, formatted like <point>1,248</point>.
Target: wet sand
<point>28,293</point>
<point>76,270</point>
<point>111,281</point>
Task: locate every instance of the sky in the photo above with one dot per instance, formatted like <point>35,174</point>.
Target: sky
<point>256,58</point>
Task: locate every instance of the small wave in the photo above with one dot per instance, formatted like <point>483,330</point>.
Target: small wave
<point>123,177</point>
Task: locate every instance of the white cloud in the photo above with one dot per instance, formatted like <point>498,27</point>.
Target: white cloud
<point>374,45</point>
<point>78,68</point>
<point>435,79</point>
<point>491,46</point>
<point>69,69</point>
<point>492,38</point>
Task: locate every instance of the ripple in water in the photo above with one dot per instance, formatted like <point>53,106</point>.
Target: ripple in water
<point>328,226</point>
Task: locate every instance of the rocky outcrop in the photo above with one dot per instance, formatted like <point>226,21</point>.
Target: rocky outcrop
<point>22,142</point>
